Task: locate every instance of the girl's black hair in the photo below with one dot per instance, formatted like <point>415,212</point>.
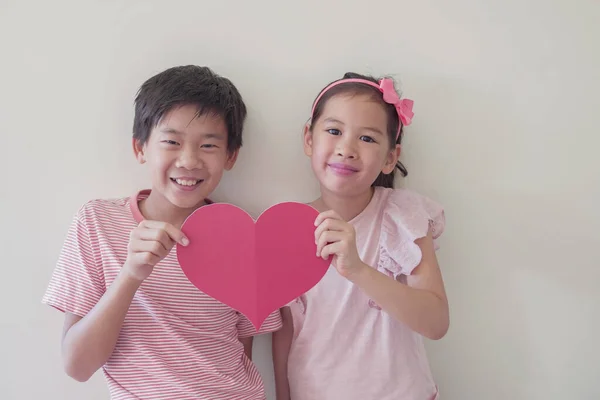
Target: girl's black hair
<point>357,88</point>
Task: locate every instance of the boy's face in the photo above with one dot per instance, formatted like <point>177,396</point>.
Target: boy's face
<point>187,155</point>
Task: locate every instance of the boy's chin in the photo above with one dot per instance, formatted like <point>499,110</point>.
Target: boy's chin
<point>187,200</point>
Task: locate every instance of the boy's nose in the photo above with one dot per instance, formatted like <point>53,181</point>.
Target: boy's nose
<point>189,160</point>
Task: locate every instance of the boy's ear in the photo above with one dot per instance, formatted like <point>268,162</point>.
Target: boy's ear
<point>392,159</point>
<point>231,159</point>
<point>138,150</point>
<point>308,140</point>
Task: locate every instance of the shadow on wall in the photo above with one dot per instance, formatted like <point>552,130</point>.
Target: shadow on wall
<point>452,154</point>
<point>508,262</point>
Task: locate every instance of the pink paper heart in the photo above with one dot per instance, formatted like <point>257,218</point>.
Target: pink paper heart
<point>255,268</point>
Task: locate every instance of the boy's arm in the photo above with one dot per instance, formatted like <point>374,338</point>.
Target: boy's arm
<point>94,314</point>
<point>88,342</point>
<point>247,342</point>
<point>282,340</point>
<point>247,331</point>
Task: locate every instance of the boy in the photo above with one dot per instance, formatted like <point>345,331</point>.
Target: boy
<point>129,309</point>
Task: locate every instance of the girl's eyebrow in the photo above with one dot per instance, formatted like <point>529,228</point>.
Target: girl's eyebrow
<point>365,128</point>
<point>335,121</point>
<point>371,129</point>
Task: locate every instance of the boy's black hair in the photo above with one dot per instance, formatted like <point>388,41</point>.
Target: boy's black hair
<point>189,85</point>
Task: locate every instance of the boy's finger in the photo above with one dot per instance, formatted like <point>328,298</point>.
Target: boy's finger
<point>149,246</point>
<point>175,234</point>
<point>156,235</point>
<point>146,258</point>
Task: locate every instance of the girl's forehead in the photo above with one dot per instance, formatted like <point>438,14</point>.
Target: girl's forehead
<point>350,108</point>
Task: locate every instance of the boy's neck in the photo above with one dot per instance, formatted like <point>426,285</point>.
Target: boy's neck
<point>348,207</point>
<point>157,208</point>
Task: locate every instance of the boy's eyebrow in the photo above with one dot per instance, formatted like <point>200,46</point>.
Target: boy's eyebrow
<point>212,136</point>
<point>205,135</point>
<point>170,130</point>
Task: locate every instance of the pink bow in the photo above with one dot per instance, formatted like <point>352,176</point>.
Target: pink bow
<point>403,107</point>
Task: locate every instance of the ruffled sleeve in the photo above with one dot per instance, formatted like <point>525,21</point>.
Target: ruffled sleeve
<point>407,217</point>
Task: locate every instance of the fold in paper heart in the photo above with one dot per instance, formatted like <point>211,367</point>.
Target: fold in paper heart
<point>253,267</point>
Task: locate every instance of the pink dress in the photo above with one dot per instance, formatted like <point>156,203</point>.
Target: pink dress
<point>344,346</point>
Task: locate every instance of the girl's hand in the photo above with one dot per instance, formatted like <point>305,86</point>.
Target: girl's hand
<point>336,237</point>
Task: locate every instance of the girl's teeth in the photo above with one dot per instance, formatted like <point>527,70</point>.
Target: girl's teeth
<point>185,182</point>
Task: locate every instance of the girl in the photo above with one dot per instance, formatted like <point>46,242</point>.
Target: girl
<point>358,333</point>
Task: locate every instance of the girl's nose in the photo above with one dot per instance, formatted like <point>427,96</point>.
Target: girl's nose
<point>346,148</point>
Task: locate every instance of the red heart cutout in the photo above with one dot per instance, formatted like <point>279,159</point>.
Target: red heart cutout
<point>254,268</point>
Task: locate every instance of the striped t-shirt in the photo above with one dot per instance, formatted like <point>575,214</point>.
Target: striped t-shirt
<point>176,342</point>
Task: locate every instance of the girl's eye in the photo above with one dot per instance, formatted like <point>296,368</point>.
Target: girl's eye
<point>335,132</point>
<point>367,139</point>
<point>171,142</point>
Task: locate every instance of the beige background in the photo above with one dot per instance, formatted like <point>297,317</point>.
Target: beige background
<point>505,136</point>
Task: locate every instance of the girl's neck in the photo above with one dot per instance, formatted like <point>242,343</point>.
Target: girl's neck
<point>157,208</point>
<point>348,207</point>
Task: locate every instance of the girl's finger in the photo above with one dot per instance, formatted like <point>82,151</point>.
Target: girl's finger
<point>328,237</point>
<point>325,215</point>
<point>330,249</point>
<point>330,225</point>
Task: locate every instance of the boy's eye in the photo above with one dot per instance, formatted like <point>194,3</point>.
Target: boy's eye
<point>334,132</point>
<point>209,146</point>
<point>367,139</point>
<point>171,142</point>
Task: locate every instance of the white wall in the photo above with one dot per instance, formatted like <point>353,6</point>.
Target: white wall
<point>505,135</point>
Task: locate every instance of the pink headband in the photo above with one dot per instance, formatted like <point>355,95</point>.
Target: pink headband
<point>386,87</point>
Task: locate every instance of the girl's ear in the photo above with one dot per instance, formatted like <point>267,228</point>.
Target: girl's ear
<point>138,150</point>
<point>391,160</point>
<point>308,140</point>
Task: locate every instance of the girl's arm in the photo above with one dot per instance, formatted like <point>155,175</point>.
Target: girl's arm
<point>421,304</point>
<point>282,340</point>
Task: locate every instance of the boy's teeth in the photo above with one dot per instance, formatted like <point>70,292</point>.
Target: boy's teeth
<point>185,182</point>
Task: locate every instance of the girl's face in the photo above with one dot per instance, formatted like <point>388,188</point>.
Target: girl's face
<point>349,145</point>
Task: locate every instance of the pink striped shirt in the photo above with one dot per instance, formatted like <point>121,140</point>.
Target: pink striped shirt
<point>176,342</point>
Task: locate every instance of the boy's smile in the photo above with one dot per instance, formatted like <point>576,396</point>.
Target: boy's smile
<point>187,155</point>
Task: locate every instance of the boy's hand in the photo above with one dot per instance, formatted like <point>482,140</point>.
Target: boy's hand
<point>336,237</point>
<point>149,243</point>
